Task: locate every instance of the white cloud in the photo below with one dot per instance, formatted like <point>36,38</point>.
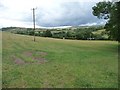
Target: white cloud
<point>9,22</point>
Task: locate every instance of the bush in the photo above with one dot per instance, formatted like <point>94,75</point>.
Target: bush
<point>47,33</point>
<point>84,35</point>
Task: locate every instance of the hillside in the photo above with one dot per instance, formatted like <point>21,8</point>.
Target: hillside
<point>75,32</point>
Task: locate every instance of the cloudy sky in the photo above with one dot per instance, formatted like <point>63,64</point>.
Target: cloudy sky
<point>49,13</point>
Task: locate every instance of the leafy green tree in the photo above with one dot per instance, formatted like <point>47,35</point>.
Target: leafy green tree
<point>102,9</point>
<point>79,36</point>
<point>84,35</point>
<point>47,33</point>
<point>110,11</point>
<point>70,35</point>
<point>30,31</point>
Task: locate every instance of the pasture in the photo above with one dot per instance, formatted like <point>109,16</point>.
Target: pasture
<point>0,60</point>
<point>58,63</point>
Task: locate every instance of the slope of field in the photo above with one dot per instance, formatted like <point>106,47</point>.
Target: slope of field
<point>54,63</point>
<point>99,32</point>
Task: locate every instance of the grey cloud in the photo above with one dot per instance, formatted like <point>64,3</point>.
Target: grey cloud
<point>68,14</point>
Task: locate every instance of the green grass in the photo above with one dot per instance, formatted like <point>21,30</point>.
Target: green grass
<point>0,60</point>
<point>70,63</point>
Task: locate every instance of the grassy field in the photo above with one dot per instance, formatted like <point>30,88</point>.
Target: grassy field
<point>54,63</point>
<point>0,60</point>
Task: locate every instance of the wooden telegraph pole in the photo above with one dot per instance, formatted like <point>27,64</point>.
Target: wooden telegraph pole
<point>34,22</point>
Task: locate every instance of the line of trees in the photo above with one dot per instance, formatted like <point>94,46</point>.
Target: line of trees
<point>79,34</point>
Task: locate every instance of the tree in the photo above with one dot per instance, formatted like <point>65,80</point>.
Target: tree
<point>30,31</point>
<point>110,11</point>
<point>70,35</point>
<point>79,36</point>
<point>84,35</point>
<point>47,33</point>
<point>102,9</point>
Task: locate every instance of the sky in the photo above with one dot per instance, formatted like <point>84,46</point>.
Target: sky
<point>48,13</point>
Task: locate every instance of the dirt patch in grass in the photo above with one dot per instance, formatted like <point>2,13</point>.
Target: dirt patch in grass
<point>39,58</point>
<point>28,53</point>
<point>18,61</point>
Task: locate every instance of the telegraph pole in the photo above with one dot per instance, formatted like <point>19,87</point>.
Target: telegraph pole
<point>34,22</point>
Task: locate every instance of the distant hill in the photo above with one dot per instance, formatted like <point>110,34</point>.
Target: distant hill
<point>98,27</point>
<point>75,32</point>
